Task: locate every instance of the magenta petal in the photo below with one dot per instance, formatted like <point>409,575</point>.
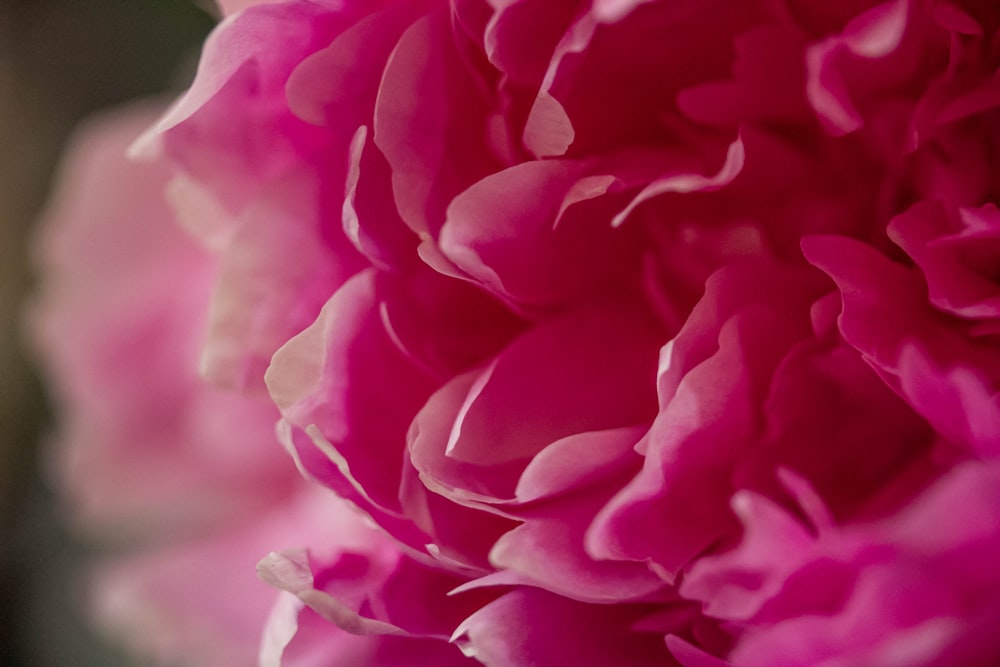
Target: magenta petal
<point>871,35</point>
<point>429,435</point>
<point>296,636</point>
<point>333,86</point>
<point>371,221</point>
<point>332,381</point>
<point>459,537</point>
<point>418,127</point>
<point>689,655</point>
<point>299,637</point>
<point>293,572</point>
<point>558,494</point>
<point>542,234</point>
<point>578,460</point>
<point>477,433</point>
<point>612,51</point>
<point>501,230</point>
<point>877,32</point>
<point>713,376</point>
<point>983,98</point>
<point>827,91</point>
<point>232,130</point>
<point>814,386</point>
<point>958,256</point>
<point>869,283</point>
<point>959,402</point>
<point>766,84</point>
<point>917,587</point>
<point>885,310</point>
<point>547,394</point>
<point>683,183</point>
<point>522,35</point>
<point>299,632</point>
<point>319,463</point>
<point>366,588</point>
<point>443,325</point>
<point>685,473</point>
<point>736,584</point>
<point>548,551</point>
<point>530,626</point>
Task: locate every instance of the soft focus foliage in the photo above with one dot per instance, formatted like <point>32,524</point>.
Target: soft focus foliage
<point>643,332</point>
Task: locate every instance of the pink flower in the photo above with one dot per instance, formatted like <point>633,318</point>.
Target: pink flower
<point>587,305</point>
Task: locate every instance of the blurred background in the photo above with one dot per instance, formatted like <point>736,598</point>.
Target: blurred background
<point>60,60</point>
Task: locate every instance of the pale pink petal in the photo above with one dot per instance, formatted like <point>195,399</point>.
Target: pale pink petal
<point>276,275</point>
<point>146,446</point>
<point>232,6</point>
<point>197,601</point>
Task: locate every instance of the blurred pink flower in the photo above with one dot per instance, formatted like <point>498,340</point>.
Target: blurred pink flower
<point>588,305</point>
<point>145,444</point>
<point>147,454</point>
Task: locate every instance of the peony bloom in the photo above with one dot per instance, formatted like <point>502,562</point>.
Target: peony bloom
<point>644,332</point>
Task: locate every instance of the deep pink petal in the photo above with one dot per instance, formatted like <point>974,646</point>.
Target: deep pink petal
<point>530,626</point>
<point>336,380</point>
<point>419,129</point>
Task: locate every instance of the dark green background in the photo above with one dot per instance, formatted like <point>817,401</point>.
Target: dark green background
<point>59,61</point>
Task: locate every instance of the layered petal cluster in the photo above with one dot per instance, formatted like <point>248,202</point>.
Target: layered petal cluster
<point>645,332</point>
<point>182,481</point>
<point>916,588</point>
